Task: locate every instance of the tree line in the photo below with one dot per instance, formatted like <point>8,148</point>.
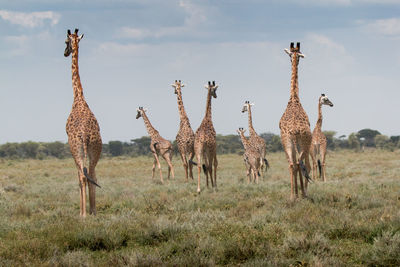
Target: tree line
<point>226,144</point>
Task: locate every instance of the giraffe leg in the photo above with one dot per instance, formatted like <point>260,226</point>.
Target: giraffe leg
<point>314,162</point>
<point>215,168</point>
<point>210,167</point>
<point>206,164</point>
<point>323,154</point>
<point>198,156</point>
<point>154,168</point>
<point>159,166</point>
<point>83,195</point>
<point>92,192</point>
<point>94,156</point>
<point>191,156</point>
<point>167,156</point>
<point>185,165</point>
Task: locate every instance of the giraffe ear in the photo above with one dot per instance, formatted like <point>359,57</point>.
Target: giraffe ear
<point>80,37</point>
<point>215,88</point>
<point>173,85</point>
<point>288,52</point>
<point>252,104</point>
<point>183,85</point>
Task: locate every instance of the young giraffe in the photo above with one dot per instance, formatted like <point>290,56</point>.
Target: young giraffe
<point>318,142</point>
<point>185,136</point>
<point>295,129</point>
<point>158,145</point>
<point>252,157</point>
<point>205,145</point>
<point>83,131</point>
<point>257,141</point>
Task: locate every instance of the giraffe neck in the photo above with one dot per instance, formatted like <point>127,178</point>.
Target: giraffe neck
<point>181,108</point>
<point>251,129</point>
<point>319,121</point>
<point>150,129</point>
<point>294,83</point>
<point>244,141</point>
<point>208,114</point>
<point>76,80</point>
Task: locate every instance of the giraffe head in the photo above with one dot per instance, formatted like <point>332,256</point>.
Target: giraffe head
<point>241,131</point>
<point>140,111</point>
<point>294,52</point>
<point>212,88</point>
<point>72,42</point>
<point>246,106</point>
<point>324,100</point>
<point>177,85</point>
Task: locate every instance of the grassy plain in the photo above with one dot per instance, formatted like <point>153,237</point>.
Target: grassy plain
<point>351,220</point>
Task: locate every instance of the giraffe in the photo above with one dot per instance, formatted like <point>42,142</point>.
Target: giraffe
<point>205,145</point>
<point>158,145</point>
<point>295,129</point>
<point>252,157</point>
<point>83,131</point>
<point>257,141</point>
<point>318,142</point>
<point>185,136</point>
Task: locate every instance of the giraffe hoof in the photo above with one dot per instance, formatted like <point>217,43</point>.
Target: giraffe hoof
<point>198,191</point>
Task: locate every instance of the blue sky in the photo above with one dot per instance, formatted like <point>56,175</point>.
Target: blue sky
<point>133,50</point>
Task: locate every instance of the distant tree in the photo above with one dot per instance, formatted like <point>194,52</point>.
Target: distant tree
<point>115,148</point>
<point>228,144</point>
<point>330,139</point>
<point>272,141</point>
<point>369,136</point>
<point>28,149</point>
<point>54,149</point>
<point>9,150</point>
<point>141,146</point>
<point>354,142</point>
<point>383,142</point>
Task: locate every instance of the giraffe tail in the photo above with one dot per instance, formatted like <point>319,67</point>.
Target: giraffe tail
<point>85,172</point>
<point>319,168</point>
<point>266,163</point>
<point>304,171</point>
<point>204,168</point>
<point>194,163</point>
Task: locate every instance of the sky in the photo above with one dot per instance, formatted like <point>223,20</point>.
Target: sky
<point>132,51</point>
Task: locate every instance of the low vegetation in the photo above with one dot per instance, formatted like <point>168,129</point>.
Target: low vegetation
<point>226,144</point>
<point>351,220</point>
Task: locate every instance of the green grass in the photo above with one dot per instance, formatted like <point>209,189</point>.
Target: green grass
<point>351,220</point>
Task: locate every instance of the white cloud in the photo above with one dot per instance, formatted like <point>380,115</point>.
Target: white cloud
<point>346,2</point>
<point>195,16</point>
<point>19,45</point>
<point>30,20</point>
<point>388,27</point>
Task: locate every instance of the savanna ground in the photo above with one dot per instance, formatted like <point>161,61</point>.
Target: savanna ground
<point>351,220</point>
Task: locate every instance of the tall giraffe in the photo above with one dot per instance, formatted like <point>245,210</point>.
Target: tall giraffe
<point>318,142</point>
<point>257,141</point>
<point>83,131</point>
<point>158,145</point>
<point>205,145</point>
<point>185,136</point>
<point>252,157</point>
<point>295,129</point>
